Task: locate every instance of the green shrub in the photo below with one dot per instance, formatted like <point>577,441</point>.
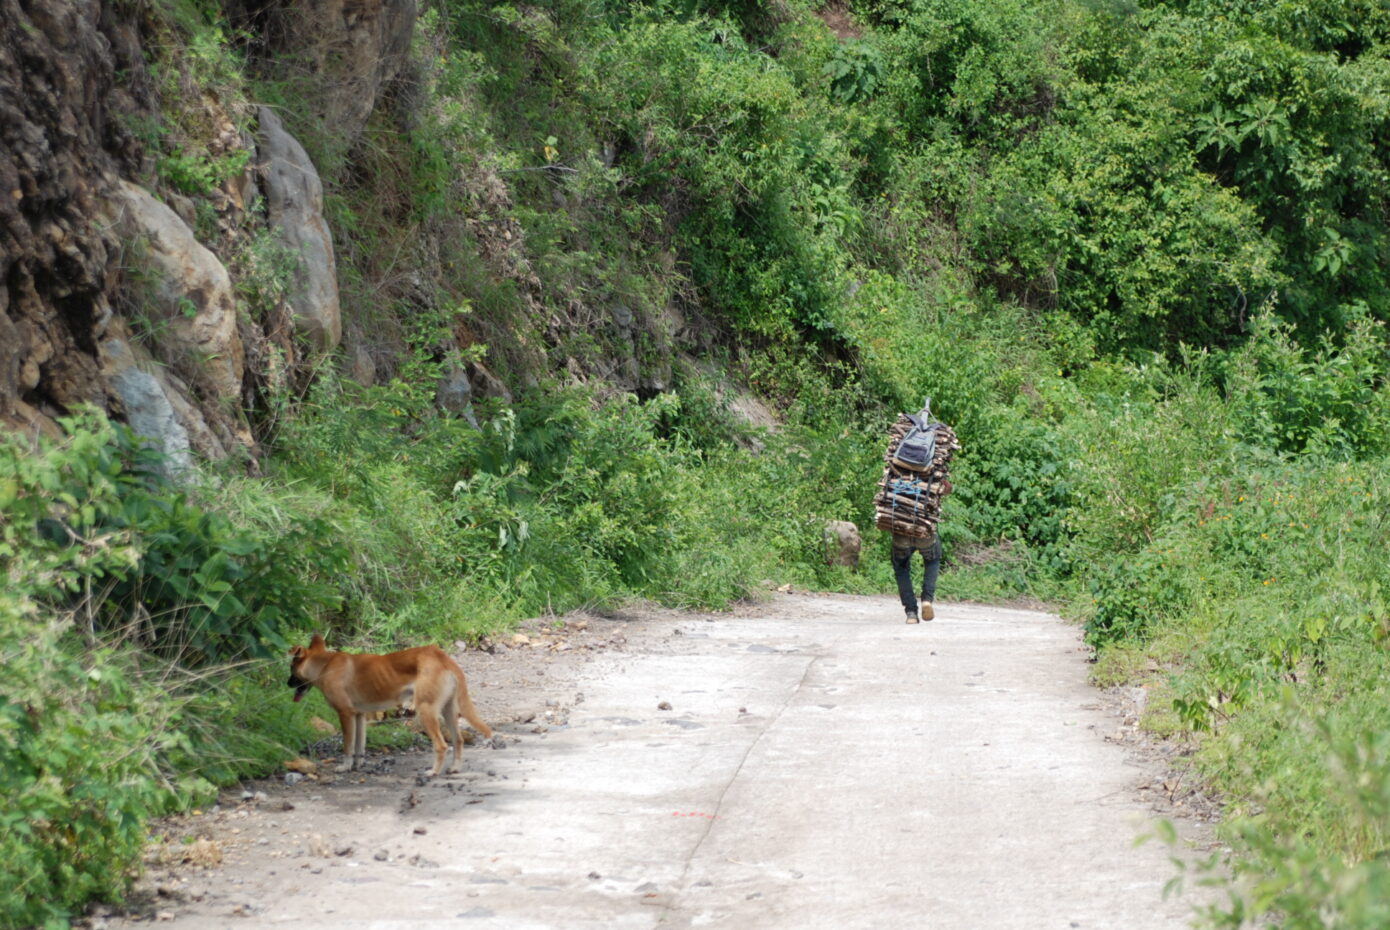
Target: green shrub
<point>1325,398</point>
<point>188,584</point>
<point>81,736</point>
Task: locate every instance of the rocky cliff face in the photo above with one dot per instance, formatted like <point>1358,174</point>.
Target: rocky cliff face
<point>115,287</point>
<point>63,147</point>
<point>164,253</point>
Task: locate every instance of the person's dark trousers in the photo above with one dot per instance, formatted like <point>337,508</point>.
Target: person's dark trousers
<point>903,548</point>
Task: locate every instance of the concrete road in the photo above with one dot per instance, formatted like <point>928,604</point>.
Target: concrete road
<point>821,765</point>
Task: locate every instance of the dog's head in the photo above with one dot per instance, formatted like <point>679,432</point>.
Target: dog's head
<point>299,655</point>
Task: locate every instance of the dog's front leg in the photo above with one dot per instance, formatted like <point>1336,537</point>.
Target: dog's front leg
<point>352,724</point>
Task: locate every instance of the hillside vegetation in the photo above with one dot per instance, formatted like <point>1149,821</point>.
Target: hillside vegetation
<point>1135,253</point>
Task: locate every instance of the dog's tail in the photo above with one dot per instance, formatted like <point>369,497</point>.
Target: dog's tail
<point>465,703</point>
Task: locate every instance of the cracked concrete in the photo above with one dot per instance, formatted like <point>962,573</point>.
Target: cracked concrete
<point>820,765</point>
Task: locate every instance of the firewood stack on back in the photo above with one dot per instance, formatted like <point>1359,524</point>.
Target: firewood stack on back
<point>908,502</point>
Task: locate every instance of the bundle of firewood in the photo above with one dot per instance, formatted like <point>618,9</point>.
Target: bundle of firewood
<point>908,502</point>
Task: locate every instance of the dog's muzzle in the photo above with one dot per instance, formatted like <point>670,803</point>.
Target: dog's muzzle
<point>300,686</point>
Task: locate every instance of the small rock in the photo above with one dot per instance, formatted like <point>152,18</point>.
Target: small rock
<point>594,876</point>
<point>344,850</point>
<point>664,705</point>
<point>420,831</point>
<point>293,778</point>
<point>302,766</point>
<point>381,855</point>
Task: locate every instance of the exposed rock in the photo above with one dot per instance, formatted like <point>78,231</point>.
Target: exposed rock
<point>154,404</point>
<point>149,413</point>
<point>454,394</point>
<point>186,292</point>
<point>352,48</point>
<point>487,384</point>
<point>63,139</point>
<point>294,198</point>
<point>842,543</point>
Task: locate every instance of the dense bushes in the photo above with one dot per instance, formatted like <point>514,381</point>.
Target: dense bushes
<point>82,730</point>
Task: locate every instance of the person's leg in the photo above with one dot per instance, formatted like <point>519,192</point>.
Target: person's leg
<point>902,573</point>
<point>931,562</point>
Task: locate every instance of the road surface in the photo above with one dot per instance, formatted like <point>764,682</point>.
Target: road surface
<point>808,764</point>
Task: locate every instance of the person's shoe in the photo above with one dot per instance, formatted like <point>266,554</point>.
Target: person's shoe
<point>927,612</point>
<point>912,616</point>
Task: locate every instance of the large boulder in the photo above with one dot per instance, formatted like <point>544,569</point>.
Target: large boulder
<point>183,291</point>
<point>294,201</point>
<point>154,402</point>
<point>842,544</point>
<point>145,399</point>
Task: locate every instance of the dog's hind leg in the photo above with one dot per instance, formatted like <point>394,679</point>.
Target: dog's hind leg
<point>428,712</point>
<point>450,718</point>
<point>359,747</point>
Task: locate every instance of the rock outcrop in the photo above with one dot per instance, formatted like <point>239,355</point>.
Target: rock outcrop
<point>294,203</point>
<point>182,290</point>
<point>64,140</point>
<point>352,49</point>
<point>107,295</point>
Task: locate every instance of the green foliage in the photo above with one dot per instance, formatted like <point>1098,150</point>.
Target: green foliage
<point>265,272</point>
<point>80,736</point>
<point>74,823</point>
<point>1333,876</point>
<point>196,173</point>
<point>1323,398</point>
<point>187,582</point>
<point>855,72</point>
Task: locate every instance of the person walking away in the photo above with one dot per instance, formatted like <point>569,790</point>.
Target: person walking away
<point>908,504</point>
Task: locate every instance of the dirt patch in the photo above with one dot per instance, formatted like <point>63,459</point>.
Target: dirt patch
<point>1173,790</point>
<point>841,21</point>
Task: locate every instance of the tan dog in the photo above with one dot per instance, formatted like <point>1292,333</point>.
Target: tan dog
<point>357,684</point>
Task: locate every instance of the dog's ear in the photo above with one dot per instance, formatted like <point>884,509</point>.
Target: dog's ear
<point>316,642</point>
<point>296,652</point>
